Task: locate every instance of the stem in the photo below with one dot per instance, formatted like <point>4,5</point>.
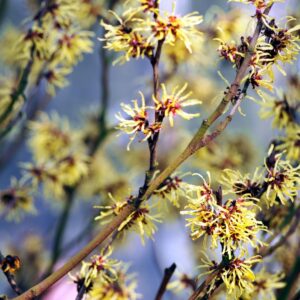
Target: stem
<point>59,234</point>
<point>152,141</point>
<point>163,286</point>
<point>81,293</point>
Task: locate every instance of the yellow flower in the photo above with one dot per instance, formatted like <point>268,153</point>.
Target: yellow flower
<point>236,274</point>
<point>125,38</point>
<point>99,266</point>
<point>282,178</point>
<point>238,184</point>
<point>51,137</point>
<point>36,37</point>
<point>285,44</point>
<point>16,200</point>
<point>229,51</point>
<point>71,168</point>
<point>137,121</point>
<point>171,104</point>
<point>141,220</point>
<point>71,46</point>
<point>7,88</point>
<point>290,143</point>
<point>258,79</point>
<point>108,212</point>
<point>259,4</point>
<point>150,5</point>
<point>281,108</point>
<point>143,6</point>
<point>238,225</point>
<point>264,286</point>
<point>172,189</point>
<point>124,288</point>
<point>56,77</point>
<point>63,12</point>
<point>46,175</point>
<point>10,54</point>
<point>171,28</point>
<point>232,224</point>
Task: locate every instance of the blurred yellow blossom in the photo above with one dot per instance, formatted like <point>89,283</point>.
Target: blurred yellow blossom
<point>16,200</point>
<point>265,286</point>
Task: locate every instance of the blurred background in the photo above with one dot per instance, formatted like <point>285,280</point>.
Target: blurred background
<point>247,138</point>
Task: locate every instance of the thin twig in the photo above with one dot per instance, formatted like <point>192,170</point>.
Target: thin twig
<point>81,293</point>
<point>163,286</point>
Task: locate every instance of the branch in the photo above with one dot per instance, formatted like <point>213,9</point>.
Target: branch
<point>163,286</point>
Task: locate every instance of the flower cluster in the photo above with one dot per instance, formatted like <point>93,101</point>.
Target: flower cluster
<point>232,224</point>
<point>173,189</point>
<point>277,45</point>
<point>142,220</point>
<point>168,105</point>
<point>284,109</point>
<point>259,4</point>
<point>104,278</point>
<point>53,42</point>
<point>282,179</point>
<point>236,274</point>
<point>265,285</point>
<point>239,184</point>
<point>141,28</point>
<point>60,160</point>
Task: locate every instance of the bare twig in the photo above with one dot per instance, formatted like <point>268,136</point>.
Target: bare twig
<point>81,293</point>
<point>163,286</point>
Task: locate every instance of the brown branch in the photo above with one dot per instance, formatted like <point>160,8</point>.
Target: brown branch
<point>152,141</point>
<point>163,286</point>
